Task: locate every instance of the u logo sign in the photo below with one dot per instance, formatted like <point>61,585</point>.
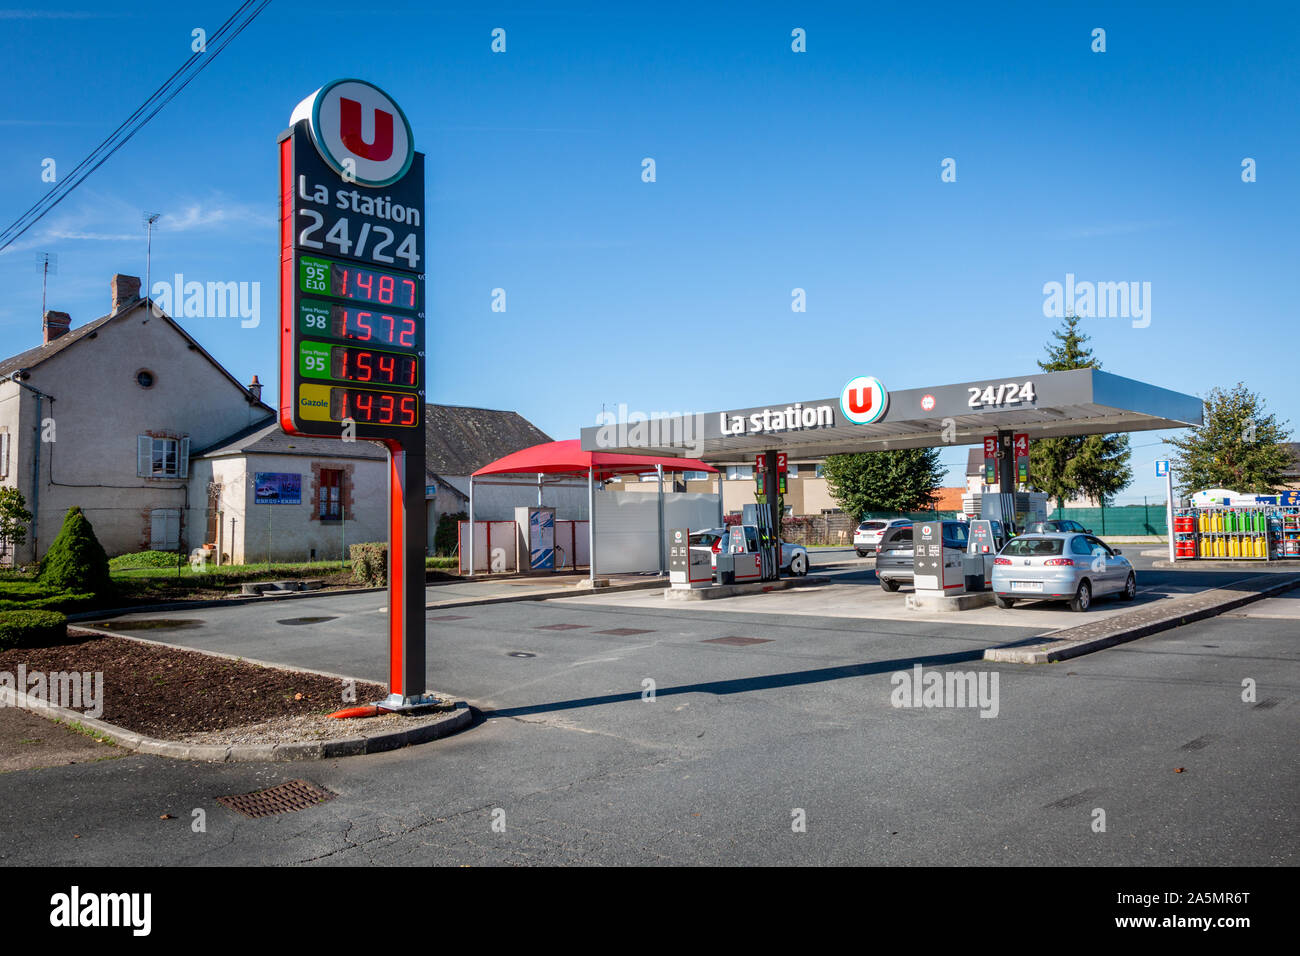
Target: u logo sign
<point>380,147</point>
<point>863,400</point>
<point>358,127</point>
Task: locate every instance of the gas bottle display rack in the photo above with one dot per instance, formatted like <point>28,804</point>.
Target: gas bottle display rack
<point>1242,533</point>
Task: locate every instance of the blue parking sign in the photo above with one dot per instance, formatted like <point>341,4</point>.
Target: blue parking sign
<point>1162,468</point>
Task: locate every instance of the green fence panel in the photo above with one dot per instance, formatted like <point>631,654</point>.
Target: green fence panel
<point>1124,520</point>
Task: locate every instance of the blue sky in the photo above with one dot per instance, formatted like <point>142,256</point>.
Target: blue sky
<point>775,170</point>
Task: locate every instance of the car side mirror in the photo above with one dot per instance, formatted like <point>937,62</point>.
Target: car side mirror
<point>1118,551</point>
<point>1087,530</point>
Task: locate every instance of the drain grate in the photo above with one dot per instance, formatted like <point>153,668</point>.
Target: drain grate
<point>284,798</point>
<point>738,641</point>
<point>304,620</point>
<point>560,627</point>
<point>625,631</point>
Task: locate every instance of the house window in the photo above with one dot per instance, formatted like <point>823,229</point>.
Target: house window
<point>164,529</point>
<point>162,457</point>
<point>740,472</point>
<point>694,475</point>
<point>329,495</point>
<point>819,472</point>
<point>792,471</point>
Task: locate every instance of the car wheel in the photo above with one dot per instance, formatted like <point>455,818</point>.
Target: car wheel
<point>889,585</point>
<point>861,553</point>
<point>799,564</point>
<point>1130,588</point>
<point>1004,602</point>
<point>1082,597</point>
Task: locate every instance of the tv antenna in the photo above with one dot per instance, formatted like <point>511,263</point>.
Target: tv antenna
<point>49,263</point>
<point>149,219</point>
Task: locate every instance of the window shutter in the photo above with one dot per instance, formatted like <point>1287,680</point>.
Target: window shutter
<point>183,464</point>
<point>143,456</point>
<point>4,455</point>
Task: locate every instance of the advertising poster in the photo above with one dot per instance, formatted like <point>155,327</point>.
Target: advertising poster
<point>277,488</point>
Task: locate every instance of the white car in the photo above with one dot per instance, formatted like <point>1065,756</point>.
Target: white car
<point>794,557</point>
<point>866,540</point>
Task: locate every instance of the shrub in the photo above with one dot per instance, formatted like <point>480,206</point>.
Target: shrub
<point>32,628</point>
<point>76,560</point>
<point>145,559</point>
<point>370,563</point>
<point>446,536</point>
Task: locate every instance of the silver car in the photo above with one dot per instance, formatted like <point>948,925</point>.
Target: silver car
<point>1061,566</point>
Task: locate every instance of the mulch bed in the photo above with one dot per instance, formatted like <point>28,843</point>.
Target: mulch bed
<point>166,691</point>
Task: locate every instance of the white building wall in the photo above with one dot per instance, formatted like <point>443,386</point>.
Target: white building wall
<point>494,502</point>
<point>253,533</point>
<point>99,411</point>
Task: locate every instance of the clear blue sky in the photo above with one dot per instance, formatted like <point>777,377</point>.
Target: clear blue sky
<point>775,170</point>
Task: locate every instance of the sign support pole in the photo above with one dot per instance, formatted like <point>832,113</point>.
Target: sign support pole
<point>407,540</point>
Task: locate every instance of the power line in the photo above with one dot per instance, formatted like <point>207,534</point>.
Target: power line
<point>134,123</point>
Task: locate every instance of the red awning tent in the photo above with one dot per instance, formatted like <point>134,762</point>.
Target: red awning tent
<point>568,458</point>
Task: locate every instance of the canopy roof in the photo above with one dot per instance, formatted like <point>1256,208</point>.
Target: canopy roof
<point>1076,402</point>
<point>567,457</point>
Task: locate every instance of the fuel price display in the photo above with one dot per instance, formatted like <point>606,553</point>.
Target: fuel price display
<point>345,280</point>
<point>374,327</point>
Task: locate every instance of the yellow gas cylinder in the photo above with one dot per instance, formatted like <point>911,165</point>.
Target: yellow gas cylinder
<point>1218,521</point>
<point>1261,549</point>
<point>1203,547</point>
<point>1218,546</point>
<point>1236,546</point>
<point>1200,523</point>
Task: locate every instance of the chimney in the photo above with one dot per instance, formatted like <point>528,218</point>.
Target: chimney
<point>55,325</point>
<point>255,389</point>
<point>126,289</point>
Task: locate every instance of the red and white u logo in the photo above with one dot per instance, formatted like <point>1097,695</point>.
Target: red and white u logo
<point>380,148</point>
<point>863,400</point>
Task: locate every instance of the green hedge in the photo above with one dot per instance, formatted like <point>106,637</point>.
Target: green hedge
<point>145,559</point>
<point>370,563</point>
<point>32,628</point>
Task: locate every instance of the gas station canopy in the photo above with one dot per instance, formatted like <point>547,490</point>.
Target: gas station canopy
<point>866,417</point>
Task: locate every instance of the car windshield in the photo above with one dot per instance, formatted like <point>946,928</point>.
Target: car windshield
<point>1028,547</point>
<point>705,537</point>
<point>872,525</point>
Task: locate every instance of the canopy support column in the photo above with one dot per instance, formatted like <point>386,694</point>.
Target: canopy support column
<point>659,471</point>
<point>591,524</point>
<point>471,524</point>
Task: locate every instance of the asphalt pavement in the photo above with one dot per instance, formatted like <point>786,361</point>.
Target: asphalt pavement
<point>790,718</point>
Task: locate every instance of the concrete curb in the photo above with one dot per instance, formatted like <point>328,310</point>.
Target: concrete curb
<point>1098,635</point>
<point>452,721</point>
<point>735,590</point>
<point>219,602</point>
<point>549,595</point>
